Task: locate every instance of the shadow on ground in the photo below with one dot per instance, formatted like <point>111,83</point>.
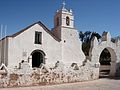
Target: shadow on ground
<point>105,74</point>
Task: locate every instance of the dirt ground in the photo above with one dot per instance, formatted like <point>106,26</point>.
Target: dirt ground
<point>101,84</point>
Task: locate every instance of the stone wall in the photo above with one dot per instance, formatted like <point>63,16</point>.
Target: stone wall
<point>25,76</point>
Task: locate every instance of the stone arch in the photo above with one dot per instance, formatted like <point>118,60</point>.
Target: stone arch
<point>105,57</point>
<point>113,59</point>
<point>96,50</point>
<point>112,53</point>
<point>38,57</point>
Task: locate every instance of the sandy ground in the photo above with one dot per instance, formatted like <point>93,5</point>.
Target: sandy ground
<point>101,84</point>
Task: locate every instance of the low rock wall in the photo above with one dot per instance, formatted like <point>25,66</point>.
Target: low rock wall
<point>42,76</point>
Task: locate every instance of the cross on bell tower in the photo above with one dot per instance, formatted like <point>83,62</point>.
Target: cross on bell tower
<point>63,5</point>
<point>64,17</point>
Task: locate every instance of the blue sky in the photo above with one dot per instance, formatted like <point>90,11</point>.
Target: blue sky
<point>93,15</point>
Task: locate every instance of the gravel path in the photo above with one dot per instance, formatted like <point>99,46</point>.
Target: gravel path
<point>101,84</point>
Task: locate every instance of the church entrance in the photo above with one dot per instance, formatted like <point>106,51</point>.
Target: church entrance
<point>38,57</point>
<point>107,57</point>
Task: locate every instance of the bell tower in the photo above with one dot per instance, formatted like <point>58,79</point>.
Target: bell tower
<point>70,44</point>
<point>64,17</point>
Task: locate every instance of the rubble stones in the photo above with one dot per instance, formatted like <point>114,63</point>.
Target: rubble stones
<point>59,74</point>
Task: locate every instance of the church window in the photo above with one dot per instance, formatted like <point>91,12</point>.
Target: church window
<point>38,37</point>
<point>67,21</point>
<point>57,21</point>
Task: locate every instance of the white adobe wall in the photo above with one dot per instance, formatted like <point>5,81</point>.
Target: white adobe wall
<point>118,50</point>
<point>71,46</point>
<point>118,56</point>
<point>1,52</point>
<point>4,51</point>
<point>25,43</point>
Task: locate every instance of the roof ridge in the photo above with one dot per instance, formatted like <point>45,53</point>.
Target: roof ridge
<point>41,24</point>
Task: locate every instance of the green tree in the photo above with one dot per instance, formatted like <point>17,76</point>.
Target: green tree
<point>95,34</point>
<point>81,36</point>
<point>86,38</point>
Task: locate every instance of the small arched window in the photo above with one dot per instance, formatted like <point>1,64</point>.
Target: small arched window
<point>67,21</point>
<point>57,21</point>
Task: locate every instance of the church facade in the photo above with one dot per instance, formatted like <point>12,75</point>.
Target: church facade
<point>36,44</point>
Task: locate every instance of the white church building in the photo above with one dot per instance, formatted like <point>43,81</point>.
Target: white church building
<point>37,55</point>
<point>37,44</point>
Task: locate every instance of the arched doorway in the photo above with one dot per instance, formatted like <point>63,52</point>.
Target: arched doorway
<point>107,61</point>
<point>38,57</point>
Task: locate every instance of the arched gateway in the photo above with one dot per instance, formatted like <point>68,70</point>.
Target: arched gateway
<point>96,52</point>
<point>111,69</point>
